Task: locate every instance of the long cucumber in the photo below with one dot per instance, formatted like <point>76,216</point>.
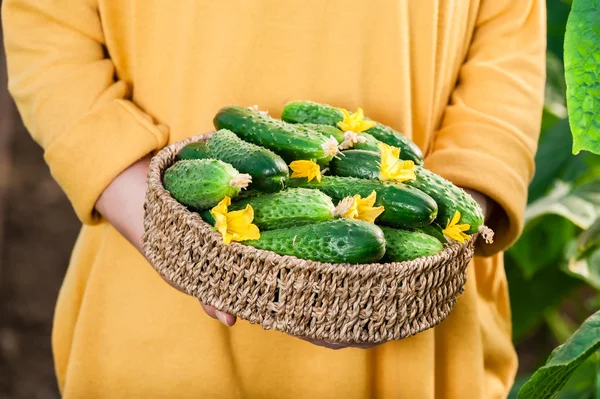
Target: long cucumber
<point>312,112</point>
<point>268,170</point>
<point>285,139</point>
<point>405,206</point>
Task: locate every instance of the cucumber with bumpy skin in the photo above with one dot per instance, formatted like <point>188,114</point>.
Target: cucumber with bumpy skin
<point>404,206</point>
<point>450,198</point>
<point>268,170</point>
<point>202,183</point>
<point>364,141</point>
<point>288,208</point>
<point>312,112</point>
<point>333,241</point>
<point>285,139</point>
<point>403,245</point>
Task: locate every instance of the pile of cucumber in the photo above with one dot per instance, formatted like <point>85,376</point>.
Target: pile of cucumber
<point>247,160</point>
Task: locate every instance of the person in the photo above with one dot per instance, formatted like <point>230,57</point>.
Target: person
<point>102,85</point>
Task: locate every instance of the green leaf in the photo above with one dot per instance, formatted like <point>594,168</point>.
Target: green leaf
<point>584,256</point>
<point>530,299</point>
<point>542,244</point>
<point>582,73</point>
<point>547,381</point>
<point>582,384</point>
<point>552,155</point>
<point>580,205</point>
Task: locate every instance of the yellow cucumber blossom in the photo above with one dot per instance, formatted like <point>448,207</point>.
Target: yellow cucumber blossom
<point>456,231</point>
<point>355,122</point>
<point>359,208</point>
<point>392,167</point>
<point>236,225</point>
<point>308,169</point>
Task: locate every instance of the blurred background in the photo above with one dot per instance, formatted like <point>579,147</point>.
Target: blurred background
<point>553,289</point>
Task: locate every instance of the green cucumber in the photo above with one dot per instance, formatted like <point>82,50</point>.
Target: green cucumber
<point>285,139</point>
<point>311,112</point>
<point>450,198</point>
<point>369,143</point>
<point>203,183</point>
<point>288,208</point>
<point>268,170</point>
<point>333,241</point>
<point>403,245</point>
<point>325,130</point>
<point>356,163</point>
<point>404,206</point>
<point>433,230</point>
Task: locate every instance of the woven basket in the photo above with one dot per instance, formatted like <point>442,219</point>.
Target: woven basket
<point>341,303</point>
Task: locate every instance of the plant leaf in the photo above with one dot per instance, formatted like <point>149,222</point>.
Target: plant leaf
<point>580,205</point>
<point>548,380</point>
<point>551,232</point>
<point>552,154</point>
<point>582,73</point>
<point>531,299</point>
<point>584,256</point>
<point>582,384</point>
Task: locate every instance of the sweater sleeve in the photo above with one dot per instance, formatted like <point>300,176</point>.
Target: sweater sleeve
<point>488,137</point>
<point>65,88</point>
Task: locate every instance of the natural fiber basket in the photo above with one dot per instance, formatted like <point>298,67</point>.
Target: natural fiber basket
<point>369,303</point>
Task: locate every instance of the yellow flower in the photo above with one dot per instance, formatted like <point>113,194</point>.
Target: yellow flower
<point>346,208</point>
<point>359,208</point>
<point>355,122</point>
<point>456,231</point>
<point>308,169</point>
<point>365,208</point>
<point>392,168</point>
<point>236,225</point>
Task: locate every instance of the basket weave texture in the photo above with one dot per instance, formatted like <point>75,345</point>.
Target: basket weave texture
<point>370,303</point>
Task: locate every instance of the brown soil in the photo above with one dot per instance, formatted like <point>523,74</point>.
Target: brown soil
<point>38,233</point>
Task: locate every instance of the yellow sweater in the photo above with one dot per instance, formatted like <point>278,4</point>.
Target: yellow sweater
<point>101,83</point>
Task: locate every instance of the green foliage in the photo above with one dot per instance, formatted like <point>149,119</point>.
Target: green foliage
<point>558,253</point>
<point>584,256</point>
<point>582,40</point>
<point>549,379</point>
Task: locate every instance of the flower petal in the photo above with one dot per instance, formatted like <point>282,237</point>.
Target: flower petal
<point>308,169</point>
<point>455,219</point>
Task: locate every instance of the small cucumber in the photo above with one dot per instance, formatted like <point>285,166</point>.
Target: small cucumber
<point>433,230</point>
<point>269,172</point>
<point>283,138</point>
<point>311,112</point>
<point>333,241</point>
<point>202,183</point>
<point>450,198</point>
<point>288,208</point>
<point>356,163</point>
<point>404,206</point>
<point>403,245</point>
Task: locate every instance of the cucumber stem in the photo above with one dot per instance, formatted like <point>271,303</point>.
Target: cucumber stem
<point>350,139</point>
<point>330,146</point>
<point>242,180</point>
<point>486,233</point>
<point>343,206</point>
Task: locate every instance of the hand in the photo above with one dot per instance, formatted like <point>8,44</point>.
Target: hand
<point>484,201</point>
<point>122,204</point>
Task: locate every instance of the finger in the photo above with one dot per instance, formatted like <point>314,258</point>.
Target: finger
<point>225,318</point>
<point>209,310</point>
